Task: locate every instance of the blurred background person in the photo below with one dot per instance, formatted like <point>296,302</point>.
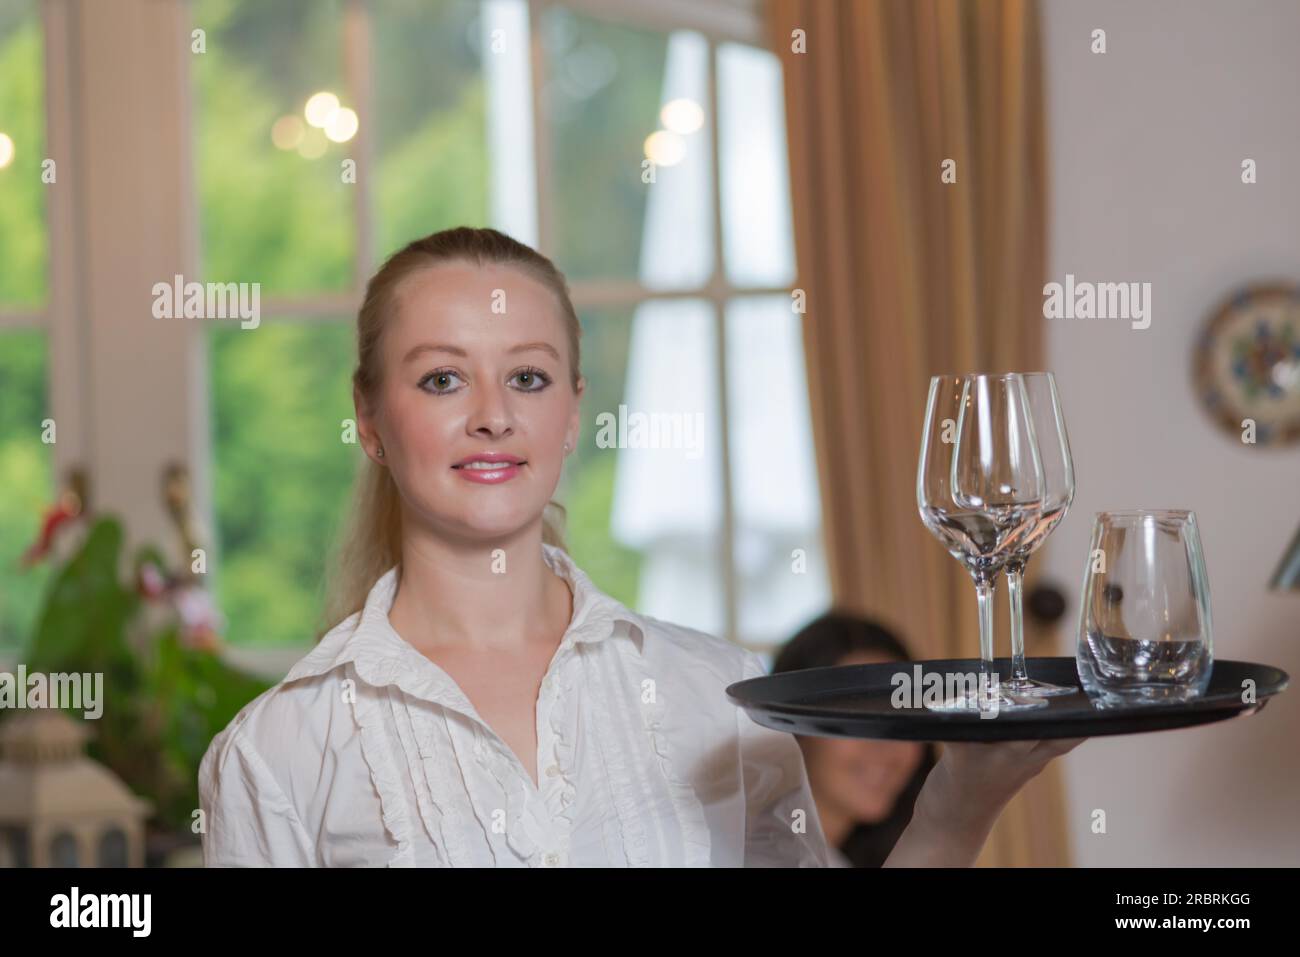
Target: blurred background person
<point>864,789</point>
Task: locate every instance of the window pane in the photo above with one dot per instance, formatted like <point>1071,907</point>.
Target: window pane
<point>14,842</point>
<point>430,119</point>
<point>23,240</point>
<point>643,487</point>
<point>113,851</point>
<point>605,90</point>
<point>587,486</point>
<point>774,481</point>
<point>278,215</point>
<point>25,467</point>
<point>756,226</point>
<point>63,850</point>
<point>282,472</point>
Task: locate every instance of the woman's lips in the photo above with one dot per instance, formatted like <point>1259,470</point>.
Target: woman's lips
<point>501,472</point>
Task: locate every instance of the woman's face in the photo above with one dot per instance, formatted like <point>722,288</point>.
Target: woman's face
<point>861,777</point>
<point>475,361</point>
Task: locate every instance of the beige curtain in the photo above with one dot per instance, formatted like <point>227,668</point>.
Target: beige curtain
<point>907,276</point>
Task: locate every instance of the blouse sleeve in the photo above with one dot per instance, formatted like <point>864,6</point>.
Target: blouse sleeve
<point>248,820</point>
<point>776,789</point>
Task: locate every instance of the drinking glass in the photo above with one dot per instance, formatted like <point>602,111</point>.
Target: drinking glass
<point>979,490</point>
<point>1145,633</point>
<point>1058,493</point>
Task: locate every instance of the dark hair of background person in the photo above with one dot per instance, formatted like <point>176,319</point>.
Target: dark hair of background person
<point>823,643</point>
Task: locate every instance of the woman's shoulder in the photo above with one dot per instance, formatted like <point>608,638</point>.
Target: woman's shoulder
<point>696,649</point>
<point>663,643</point>
<point>296,716</point>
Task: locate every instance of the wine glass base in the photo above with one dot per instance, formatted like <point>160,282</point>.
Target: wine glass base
<point>994,704</point>
<point>1031,688</point>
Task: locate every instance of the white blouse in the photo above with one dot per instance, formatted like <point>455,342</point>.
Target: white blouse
<point>369,754</point>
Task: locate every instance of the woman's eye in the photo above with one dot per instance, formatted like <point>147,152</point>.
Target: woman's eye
<point>442,381</point>
<point>532,380</point>
<point>437,381</point>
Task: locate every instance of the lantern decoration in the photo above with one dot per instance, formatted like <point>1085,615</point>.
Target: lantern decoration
<point>58,808</point>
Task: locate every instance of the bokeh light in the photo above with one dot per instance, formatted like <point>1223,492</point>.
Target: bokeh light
<point>313,144</point>
<point>664,148</point>
<point>682,116</point>
<point>287,132</point>
<point>320,108</point>
<point>342,125</point>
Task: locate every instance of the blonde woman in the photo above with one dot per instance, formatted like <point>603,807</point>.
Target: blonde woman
<point>480,702</point>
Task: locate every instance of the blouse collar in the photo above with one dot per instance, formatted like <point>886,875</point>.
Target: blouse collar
<point>380,656</point>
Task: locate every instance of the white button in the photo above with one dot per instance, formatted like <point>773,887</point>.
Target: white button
<point>552,771</point>
<point>551,859</point>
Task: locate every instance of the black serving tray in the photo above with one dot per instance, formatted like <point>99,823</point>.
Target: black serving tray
<point>853,701</point>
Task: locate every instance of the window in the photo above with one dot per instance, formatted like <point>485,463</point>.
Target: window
<point>23,239</point>
<point>63,850</point>
<point>647,160</point>
<point>113,848</point>
<point>25,460</point>
<point>683,288</point>
<point>280,392</point>
<point>14,842</point>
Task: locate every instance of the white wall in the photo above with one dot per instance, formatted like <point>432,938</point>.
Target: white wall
<point>1145,150</point>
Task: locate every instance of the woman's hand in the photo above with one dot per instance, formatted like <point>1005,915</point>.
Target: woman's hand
<point>964,795</point>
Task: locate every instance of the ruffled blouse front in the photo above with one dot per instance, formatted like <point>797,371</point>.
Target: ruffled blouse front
<point>369,754</point>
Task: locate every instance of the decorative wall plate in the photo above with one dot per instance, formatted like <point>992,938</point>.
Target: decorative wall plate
<point>1247,363</point>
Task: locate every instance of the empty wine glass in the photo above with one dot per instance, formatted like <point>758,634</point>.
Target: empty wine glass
<point>979,489</point>
<point>1058,492</point>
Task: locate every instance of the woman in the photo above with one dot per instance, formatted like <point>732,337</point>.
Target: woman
<point>481,702</point>
<point>865,789</point>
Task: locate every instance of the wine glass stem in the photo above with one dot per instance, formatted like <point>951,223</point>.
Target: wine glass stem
<point>984,592</point>
<point>1015,588</point>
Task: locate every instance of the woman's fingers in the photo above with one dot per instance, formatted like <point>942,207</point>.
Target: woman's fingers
<point>1055,747</point>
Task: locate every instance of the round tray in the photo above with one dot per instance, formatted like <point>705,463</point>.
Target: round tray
<point>854,701</point>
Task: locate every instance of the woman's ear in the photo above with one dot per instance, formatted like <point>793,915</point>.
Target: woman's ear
<point>367,432</point>
<point>575,420</point>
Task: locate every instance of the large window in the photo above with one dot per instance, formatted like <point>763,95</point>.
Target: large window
<point>274,209</point>
<point>25,460</point>
<point>646,160</point>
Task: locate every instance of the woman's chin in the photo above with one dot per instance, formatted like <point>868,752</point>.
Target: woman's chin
<point>874,812</point>
<point>490,530</point>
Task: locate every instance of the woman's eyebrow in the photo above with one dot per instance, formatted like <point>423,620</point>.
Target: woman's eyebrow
<point>457,351</point>
<point>536,346</point>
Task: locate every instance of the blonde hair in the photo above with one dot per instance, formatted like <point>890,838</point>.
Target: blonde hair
<point>371,542</point>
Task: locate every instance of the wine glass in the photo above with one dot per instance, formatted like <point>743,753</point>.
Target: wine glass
<point>979,489</point>
<point>1058,493</point>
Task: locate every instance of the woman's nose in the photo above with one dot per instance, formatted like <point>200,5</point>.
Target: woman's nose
<point>490,411</point>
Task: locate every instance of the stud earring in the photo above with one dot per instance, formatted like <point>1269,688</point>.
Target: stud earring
<point>379,452</point>
<point>566,446</point>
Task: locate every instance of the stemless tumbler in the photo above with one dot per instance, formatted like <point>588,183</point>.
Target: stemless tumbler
<point>1145,633</point>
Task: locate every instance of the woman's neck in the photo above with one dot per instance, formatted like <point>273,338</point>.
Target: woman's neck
<point>499,595</point>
